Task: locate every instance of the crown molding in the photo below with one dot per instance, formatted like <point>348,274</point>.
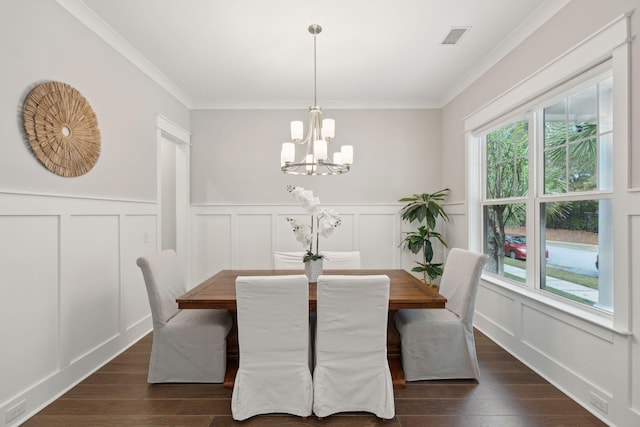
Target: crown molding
<point>79,10</point>
<point>84,14</point>
<point>385,104</point>
<point>534,21</point>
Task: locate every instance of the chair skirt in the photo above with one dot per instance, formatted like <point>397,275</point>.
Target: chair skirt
<point>190,348</point>
<point>436,344</point>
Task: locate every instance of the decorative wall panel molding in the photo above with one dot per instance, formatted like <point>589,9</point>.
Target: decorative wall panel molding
<point>245,236</point>
<point>71,284</point>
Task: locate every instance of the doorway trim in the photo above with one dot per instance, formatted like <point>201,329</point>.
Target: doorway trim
<point>170,131</point>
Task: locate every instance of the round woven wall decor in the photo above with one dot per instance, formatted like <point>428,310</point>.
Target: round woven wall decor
<point>61,129</point>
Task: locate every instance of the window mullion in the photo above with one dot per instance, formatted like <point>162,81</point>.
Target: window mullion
<point>536,172</point>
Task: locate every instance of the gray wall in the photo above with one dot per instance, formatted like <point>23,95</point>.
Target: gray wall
<point>235,157</point>
<point>42,42</point>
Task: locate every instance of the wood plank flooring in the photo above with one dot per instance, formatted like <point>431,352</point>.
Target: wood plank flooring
<point>508,394</point>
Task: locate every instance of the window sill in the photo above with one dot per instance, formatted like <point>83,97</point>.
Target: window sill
<point>592,316</point>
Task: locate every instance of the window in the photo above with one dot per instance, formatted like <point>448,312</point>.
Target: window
<point>579,192</point>
<point>506,188</point>
<point>546,204</point>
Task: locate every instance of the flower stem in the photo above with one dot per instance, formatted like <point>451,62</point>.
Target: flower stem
<point>311,243</point>
<point>318,236</point>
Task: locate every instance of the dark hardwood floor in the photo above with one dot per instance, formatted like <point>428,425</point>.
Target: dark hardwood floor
<point>507,394</point>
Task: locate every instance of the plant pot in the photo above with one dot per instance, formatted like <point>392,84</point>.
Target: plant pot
<point>313,269</point>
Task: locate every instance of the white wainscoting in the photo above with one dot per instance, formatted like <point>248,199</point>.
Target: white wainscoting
<point>245,236</point>
<point>72,295</point>
<point>579,356</point>
<point>571,353</point>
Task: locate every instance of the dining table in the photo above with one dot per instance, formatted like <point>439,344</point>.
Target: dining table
<point>405,292</point>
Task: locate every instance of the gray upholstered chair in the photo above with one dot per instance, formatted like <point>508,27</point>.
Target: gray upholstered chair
<point>273,337</point>
<point>188,345</point>
<point>439,343</point>
<point>351,370</point>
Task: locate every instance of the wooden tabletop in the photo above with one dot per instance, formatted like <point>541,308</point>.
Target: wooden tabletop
<point>219,291</point>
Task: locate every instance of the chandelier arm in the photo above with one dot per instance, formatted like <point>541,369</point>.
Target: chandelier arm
<point>314,127</point>
<point>335,168</point>
<point>331,168</point>
<point>308,140</point>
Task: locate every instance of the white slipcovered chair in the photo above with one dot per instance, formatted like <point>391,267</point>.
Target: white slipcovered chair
<point>333,260</point>
<point>189,346</point>
<point>352,372</point>
<point>273,337</point>
<point>341,260</point>
<point>439,343</point>
<point>288,260</point>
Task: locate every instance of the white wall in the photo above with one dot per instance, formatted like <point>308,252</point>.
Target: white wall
<point>572,351</point>
<point>71,296</point>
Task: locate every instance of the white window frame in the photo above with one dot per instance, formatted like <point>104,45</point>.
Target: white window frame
<point>610,43</point>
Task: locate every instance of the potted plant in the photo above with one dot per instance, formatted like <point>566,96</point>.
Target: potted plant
<point>425,209</point>
<point>323,222</point>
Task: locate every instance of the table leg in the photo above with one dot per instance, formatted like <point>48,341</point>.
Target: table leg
<point>393,353</point>
<point>233,352</point>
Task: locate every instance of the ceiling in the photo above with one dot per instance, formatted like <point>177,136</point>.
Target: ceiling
<point>259,54</point>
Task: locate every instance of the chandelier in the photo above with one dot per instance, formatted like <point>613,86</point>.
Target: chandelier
<point>315,158</point>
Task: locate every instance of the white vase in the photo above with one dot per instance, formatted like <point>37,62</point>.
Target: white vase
<point>313,269</point>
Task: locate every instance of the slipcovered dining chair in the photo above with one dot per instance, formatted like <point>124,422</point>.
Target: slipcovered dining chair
<point>333,260</point>
<point>288,260</point>
<point>351,371</point>
<point>273,337</point>
<point>439,343</point>
<point>341,260</point>
<point>189,346</point>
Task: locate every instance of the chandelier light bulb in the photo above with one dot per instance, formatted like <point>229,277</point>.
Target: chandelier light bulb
<point>347,154</point>
<point>328,128</point>
<point>320,149</point>
<point>288,152</point>
<point>337,158</point>
<point>296,130</point>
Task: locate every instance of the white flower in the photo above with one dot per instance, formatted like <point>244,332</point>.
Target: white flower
<point>302,232</point>
<point>323,221</point>
<point>328,220</point>
<point>305,197</point>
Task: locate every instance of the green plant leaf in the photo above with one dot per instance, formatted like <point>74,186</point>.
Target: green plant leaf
<point>310,256</point>
<point>428,251</point>
<point>425,209</point>
<point>434,271</point>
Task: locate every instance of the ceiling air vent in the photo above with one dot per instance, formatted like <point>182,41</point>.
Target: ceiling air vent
<point>455,35</point>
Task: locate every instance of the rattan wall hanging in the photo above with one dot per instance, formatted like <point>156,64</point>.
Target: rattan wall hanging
<point>61,129</point>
